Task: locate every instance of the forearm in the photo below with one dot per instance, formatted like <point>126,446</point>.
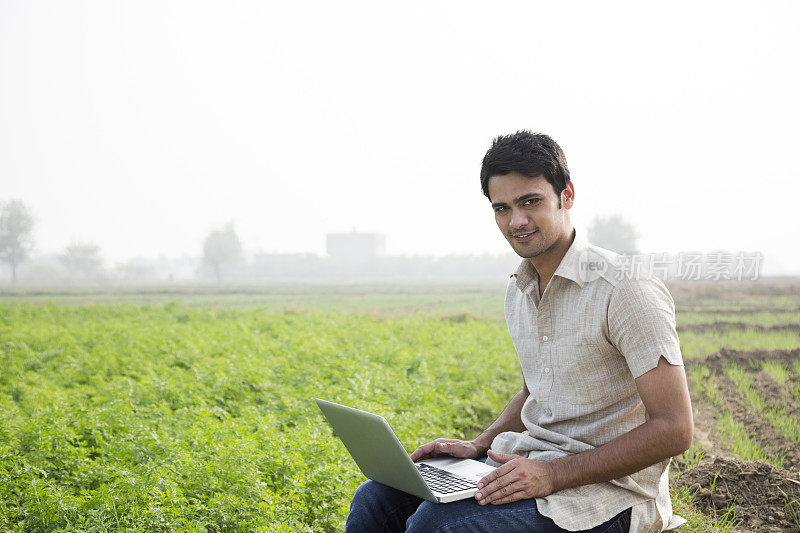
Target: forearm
<point>650,443</point>
<point>509,420</point>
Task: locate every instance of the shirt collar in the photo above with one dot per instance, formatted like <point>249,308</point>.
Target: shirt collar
<point>569,268</point>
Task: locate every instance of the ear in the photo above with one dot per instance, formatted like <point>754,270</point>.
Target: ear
<point>568,196</point>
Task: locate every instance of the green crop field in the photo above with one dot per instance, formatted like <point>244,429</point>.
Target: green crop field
<point>193,411</point>
<point>169,417</point>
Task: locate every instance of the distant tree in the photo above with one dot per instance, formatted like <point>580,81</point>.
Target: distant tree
<point>613,233</point>
<point>16,228</point>
<point>221,247</point>
<point>82,260</point>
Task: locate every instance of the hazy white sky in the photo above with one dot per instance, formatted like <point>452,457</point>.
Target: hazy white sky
<point>141,125</point>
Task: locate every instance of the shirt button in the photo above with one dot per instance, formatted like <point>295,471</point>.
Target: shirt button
<point>544,338</point>
<point>547,370</point>
<point>547,411</point>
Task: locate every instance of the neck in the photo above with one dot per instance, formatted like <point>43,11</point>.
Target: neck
<point>547,262</point>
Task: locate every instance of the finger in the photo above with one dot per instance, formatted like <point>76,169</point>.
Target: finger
<point>456,449</point>
<point>498,472</point>
<point>500,486</point>
<point>484,497</point>
<point>519,495</point>
<point>501,457</point>
<point>423,451</point>
<point>430,449</point>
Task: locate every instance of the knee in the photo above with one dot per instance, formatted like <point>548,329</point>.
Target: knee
<point>365,495</point>
<point>430,517</point>
<point>368,493</point>
<point>362,514</point>
<point>376,507</point>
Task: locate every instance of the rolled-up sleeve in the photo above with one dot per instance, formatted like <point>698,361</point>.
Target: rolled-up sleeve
<point>641,324</point>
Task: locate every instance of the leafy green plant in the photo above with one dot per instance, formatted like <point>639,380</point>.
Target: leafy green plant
<point>167,417</point>
<point>197,416</point>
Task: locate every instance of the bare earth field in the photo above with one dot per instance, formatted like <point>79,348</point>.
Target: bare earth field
<point>744,467</point>
<point>758,492</point>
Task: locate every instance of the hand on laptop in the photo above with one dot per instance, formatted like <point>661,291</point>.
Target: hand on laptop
<point>452,447</point>
<point>518,478</point>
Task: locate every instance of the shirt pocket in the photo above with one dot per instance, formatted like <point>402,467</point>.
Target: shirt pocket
<point>582,375</point>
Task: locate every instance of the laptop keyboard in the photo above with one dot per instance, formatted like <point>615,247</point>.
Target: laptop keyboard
<point>443,481</point>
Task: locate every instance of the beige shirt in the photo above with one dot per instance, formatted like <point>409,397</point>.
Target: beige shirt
<point>596,328</point>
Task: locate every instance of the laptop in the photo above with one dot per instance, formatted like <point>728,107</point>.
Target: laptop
<point>380,456</point>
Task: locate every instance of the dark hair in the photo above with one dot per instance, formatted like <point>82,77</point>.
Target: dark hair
<point>530,154</point>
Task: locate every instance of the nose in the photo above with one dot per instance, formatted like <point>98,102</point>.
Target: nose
<point>518,219</point>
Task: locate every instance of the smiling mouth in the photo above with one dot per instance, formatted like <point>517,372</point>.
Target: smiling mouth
<point>521,237</point>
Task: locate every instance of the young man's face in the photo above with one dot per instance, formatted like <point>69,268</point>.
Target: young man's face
<point>527,212</point>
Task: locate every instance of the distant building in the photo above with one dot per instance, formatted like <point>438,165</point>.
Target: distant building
<point>355,245</point>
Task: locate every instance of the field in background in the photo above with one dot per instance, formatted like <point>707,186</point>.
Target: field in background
<point>480,301</point>
<point>190,409</point>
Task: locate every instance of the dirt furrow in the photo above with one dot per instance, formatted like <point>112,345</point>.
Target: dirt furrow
<point>774,395</point>
<point>719,360</point>
<point>756,491</point>
<point>772,442</point>
<point>727,326</point>
<point>739,311</point>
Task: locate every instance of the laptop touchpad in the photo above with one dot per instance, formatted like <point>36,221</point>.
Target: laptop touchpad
<point>466,468</point>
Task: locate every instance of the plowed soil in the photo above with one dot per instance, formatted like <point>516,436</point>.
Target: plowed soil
<point>718,361</point>
<point>757,492</point>
<point>737,311</point>
<point>727,326</point>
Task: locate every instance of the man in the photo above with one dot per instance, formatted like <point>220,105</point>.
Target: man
<point>585,444</point>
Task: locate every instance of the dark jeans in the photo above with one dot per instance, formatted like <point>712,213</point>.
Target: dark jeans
<point>378,508</point>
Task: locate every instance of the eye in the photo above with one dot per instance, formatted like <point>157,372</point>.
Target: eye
<point>500,209</point>
<point>531,201</point>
